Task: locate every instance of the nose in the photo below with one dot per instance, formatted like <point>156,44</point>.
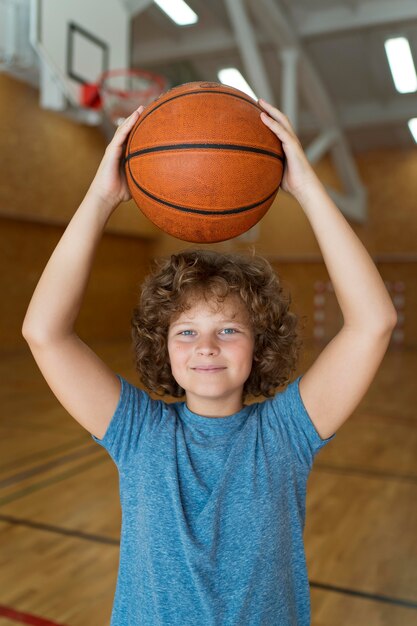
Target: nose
<point>207,346</point>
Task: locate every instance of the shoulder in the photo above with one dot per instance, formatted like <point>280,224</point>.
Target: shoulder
<point>135,408</point>
<point>286,414</point>
<point>288,396</point>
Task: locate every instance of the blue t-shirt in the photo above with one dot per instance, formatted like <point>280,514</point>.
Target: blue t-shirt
<point>213,512</point>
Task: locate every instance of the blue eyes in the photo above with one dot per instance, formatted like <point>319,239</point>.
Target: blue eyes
<point>187,333</point>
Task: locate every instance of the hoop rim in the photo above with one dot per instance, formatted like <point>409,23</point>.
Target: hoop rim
<point>159,81</point>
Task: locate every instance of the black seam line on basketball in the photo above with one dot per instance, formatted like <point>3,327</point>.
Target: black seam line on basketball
<point>202,211</point>
<point>205,146</point>
<point>191,93</point>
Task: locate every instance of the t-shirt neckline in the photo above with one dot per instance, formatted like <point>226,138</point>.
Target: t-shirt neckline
<point>220,425</point>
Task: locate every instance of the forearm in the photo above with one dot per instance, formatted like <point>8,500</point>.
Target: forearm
<point>58,296</point>
<point>359,288</point>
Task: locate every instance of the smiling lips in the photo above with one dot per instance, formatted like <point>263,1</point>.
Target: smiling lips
<point>208,368</point>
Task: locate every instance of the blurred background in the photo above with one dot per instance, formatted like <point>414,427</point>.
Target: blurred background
<point>344,73</point>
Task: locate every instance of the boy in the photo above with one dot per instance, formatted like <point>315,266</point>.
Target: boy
<point>212,491</point>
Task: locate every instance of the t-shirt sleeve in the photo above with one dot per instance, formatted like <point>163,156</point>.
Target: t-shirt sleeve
<point>293,417</point>
<point>123,433</point>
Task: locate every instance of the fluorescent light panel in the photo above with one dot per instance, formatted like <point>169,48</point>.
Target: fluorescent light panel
<point>232,77</point>
<point>401,64</point>
<point>412,125</point>
<point>178,11</point>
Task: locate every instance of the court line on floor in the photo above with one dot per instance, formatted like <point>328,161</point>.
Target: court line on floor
<point>353,471</point>
<point>321,467</point>
<point>36,427</point>
<point>50,481</point>
<point>79,534</point>
<point>25,618</point>
<point>375,597</point>
<point>409,604</point>
<point>42,454</point>
<point>33,471</point>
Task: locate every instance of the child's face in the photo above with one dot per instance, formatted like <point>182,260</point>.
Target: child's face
<point>211,353</point>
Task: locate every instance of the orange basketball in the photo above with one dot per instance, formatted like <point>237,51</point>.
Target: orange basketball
<point>201,164</point>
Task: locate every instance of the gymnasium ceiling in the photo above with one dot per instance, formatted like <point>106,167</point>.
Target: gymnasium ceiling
<point>343,41</point>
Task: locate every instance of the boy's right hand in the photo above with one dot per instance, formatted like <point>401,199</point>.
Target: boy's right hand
<point>109,184</point>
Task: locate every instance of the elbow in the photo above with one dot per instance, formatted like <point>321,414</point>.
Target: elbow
<point>377,327</point>
<point>392,320</point>
<point>387,320</point>
<point>387,325</point>
<point>33,336</point>
<point>41,336</point>
<point>28,334</point>
<point>25,331</point>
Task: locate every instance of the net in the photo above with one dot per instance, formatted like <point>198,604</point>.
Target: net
<point>123,91</point>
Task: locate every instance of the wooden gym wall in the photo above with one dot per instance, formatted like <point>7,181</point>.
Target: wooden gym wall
<point>47,163</point>
<point>119,268</point>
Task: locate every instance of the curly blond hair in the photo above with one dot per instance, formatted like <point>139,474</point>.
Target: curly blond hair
<point>182,278</point>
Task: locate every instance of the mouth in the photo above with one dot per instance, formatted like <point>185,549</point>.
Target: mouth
<point>208,369</point>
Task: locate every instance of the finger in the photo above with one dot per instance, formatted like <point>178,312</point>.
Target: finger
<point>272,123</point>
<point>128,122</point>
<point>283,132</point>
<point>276,114</point>
<point>268,107</point>
<point>126,126</point>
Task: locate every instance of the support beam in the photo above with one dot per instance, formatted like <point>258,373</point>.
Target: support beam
<point>373,113</point>
<point>351,206</point>
<point>257,76</point>
<point>367,114</point>
<point>289,84</point>
<point>134,7</point>
<point>365,15</point>
<point>277,27</point>
<point>198,44</point>
<point>321,145</point>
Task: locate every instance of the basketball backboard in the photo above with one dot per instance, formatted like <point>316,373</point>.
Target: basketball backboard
<point>78,40</point>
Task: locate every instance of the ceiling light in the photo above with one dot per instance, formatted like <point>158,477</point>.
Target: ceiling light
<point>412,125</point>
<point>401,64</point>
<point>231,76</point>
<point>178,11</point>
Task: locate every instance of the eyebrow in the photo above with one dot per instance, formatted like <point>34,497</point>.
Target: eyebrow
<point>224,321</point>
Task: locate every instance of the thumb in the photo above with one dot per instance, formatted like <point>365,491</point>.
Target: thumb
<point>124,129</point>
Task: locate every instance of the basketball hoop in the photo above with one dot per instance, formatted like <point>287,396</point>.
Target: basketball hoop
<point>120,92</point>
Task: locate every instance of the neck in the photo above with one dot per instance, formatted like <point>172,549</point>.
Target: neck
<point>215,408</point>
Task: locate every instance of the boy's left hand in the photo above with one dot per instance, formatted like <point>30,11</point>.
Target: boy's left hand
<point>298,173</point>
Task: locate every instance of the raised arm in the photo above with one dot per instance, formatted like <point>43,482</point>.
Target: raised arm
<point>82,382</point>
<point>339,378</point>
